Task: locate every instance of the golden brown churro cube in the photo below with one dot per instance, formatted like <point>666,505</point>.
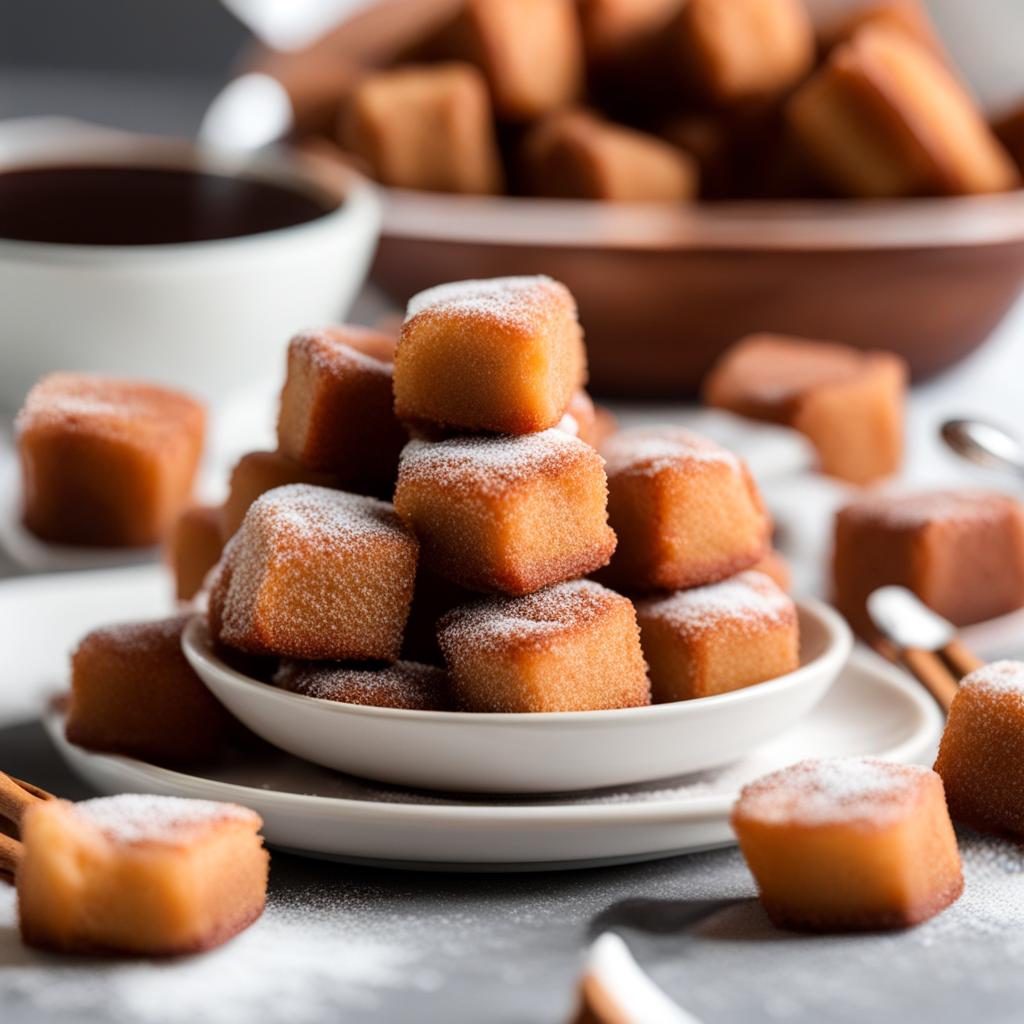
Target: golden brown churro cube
<point>981,758</point>
<point>106,461</point>
<point>577,155</point>
<point>318,574</point>
<point>337,410</point>
<point>744,50</point>
<point>591,423</point>
<point>850,844</point>
<point>504,355</point>
<point>617,29</point>
<point>258,472</point>
<point>530,51</point>
<point>133,692</point>
<point>686,511</point>
<point>571,647</point>
<point>426,128</point>
<point>961,552</point>
<point>776,568</point>
<point>848,403</point>
<point>507,514</point>
<point>908,16</point>
<point>886,117</point>
<point>405,684</point>
<point>717,638</point>
<point>141,875</point>
<point>194,548</point>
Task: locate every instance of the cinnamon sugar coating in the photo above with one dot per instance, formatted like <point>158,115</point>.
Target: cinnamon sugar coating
<point>502,355</point>
<point>106,461</point>
<point>721,637</point>
<point>153,875</point>
<point>686,511</point>
<point>849,844</point>
<point>961,552</point>
<point>571,647</point>
<point>337,410</point>
<point>405,684</point>
<point>508,514</point>
<point>981,757</point>
<point>133,693</point>
<point>317,574</point>
<point>194,548</point>
<point>849,403</point>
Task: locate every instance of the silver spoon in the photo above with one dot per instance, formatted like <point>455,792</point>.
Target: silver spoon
<point>984,444</point>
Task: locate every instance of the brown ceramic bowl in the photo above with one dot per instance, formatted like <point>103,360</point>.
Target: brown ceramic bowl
<point>663,289</point>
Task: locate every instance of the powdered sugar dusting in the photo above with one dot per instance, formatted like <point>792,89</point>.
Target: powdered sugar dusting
<point>750,597</point>
<point>331,348</point>
<point>914,510</point>
<point>653,449</point>
<point>850,790</point>
<point>134,818</point>
<point>405,684</point>
<point>1001,677</point>
<point>514,302</point>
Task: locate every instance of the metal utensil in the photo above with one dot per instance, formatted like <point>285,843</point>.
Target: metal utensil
<point>984,444</point>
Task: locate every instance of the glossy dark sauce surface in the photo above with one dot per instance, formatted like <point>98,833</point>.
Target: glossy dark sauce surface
<point>145,205</point>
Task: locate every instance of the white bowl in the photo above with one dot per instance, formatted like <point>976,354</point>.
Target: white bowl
<point>530,753</point>
<point>205,316</point>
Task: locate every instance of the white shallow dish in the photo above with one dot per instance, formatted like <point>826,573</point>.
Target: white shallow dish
<point>872,709</point>
<point>530,753</point>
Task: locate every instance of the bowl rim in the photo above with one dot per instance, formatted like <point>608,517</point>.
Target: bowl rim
<point>55,142</point>
<point>195,643</point>
<point>785,225</point>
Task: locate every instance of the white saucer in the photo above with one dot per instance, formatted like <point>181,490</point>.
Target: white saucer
<point>531,753</point>
<point>873,709</point>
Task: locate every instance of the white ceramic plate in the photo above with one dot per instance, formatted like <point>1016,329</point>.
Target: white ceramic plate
<point>531,753</point>
<point>872,709</point>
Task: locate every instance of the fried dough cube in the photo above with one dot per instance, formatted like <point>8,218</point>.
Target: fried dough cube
<point>337,410</point>
<point>776,568</point>
<point>592,424</point>
<point>848,403</point>
<point>502,355</point>
<point>194,548</point>
<point>530,51</point>
<point>254,474</point>
<point>425,127</point>
<point>849,844</point>
<point>506,514</point>
<point>139,875</point>
<point>686,511</point>
<point>885,117</point>
<point>740,51</point>
<point>908,16</point>
<point>133,692</point>
<point>576,155</point>
<point>405,684</point>
<point>718,638</point>
<point>961,552</point>
<point>981,757</point>
<point>614,30</point>
<point>571,647</point>
<point>318,574</point>
<point>106,461</point>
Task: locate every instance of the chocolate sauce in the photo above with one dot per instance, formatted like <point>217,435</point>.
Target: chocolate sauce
<point>117,205</point>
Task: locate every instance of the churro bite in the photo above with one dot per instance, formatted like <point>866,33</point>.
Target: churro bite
<point>718,638</point>
<point>574,154</point>
<point>503,355</point>
<point>614,30</point>
<point>317,574</point>
<point>254,474</point>
<point>106,461</point>
<point>425,127</point>
<point>405,684</point>
<point>509,514</point>
<point>686,511</point>
<point>337,410</point>
<point>194,548</point>
<point>849,844</point>
<point>571,647</point>
<point>981,757</point>
<point>742,51</point>
<point>776,568</point>
<point>961,552</point>
<point>133,692</point>
<point>849,403</point>
<point>885,117</point>
<point>530,51</point>
<point>907,16</point>
<point>591,423</point>
<point>139,875</point>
